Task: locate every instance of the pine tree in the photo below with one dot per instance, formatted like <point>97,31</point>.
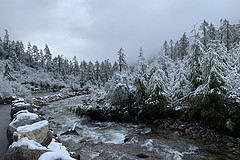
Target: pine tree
<point>76,69</point>
<point>48,57</point>
<point>204,27</point>
<point>183,45</point>
<point>211,97</point>
<point>121,60</point>
<point>35,55</point>
<point>166,48</point>
<point>6,41</point>
<point>97,73</point>
<point>29,58</point>
<point>171,49</point>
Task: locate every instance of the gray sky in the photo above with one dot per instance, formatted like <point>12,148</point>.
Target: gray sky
<point>96,29</point>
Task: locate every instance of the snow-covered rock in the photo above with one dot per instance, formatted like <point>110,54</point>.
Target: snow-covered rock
<point>25,149</point>
<point>57,151</point>
<point>38,131</point>
<point>21,118</point>
<point>20,106</point>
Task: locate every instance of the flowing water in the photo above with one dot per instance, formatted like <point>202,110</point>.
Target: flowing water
<point>105,140</point>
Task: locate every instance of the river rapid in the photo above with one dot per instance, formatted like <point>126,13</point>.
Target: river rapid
<point>120,141</point>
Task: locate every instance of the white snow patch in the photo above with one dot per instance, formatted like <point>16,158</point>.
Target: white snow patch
<point>22,116</point>
<point>54,155</point>
<point>32,127</point>
<point>31,144</point>
<point>58,151</point>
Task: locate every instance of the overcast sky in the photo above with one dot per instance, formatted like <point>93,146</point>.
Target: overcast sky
<point>97,29</point>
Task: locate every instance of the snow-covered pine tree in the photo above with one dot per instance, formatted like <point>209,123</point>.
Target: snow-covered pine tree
<point>48,57</point>
<point>204,28</point>
<point>141,81</point>
<point>121,60</point>
<point>183,46</point>
<point>76,69</point>
<point>211,97</point>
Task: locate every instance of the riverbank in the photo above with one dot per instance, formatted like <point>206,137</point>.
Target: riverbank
<point>198,131</point>
<point>29,128</point>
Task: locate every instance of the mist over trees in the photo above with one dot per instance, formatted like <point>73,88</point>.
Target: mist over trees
<point>200,73</point>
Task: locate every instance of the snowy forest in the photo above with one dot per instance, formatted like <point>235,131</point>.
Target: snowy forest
<point>197,76</point>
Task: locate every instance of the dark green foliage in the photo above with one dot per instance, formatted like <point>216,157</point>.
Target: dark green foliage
<point>78,111</point>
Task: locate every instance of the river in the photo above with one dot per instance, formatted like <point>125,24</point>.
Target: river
<point>105,140</point>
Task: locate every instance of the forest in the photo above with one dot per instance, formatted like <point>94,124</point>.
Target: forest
<point>196,77</point>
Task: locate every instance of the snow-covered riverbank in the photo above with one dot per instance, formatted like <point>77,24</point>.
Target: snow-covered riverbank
<point>111,140</point>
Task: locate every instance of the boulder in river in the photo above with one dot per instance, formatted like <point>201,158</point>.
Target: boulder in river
<point>142,155</point>
<point>38,131</point>
<point>22,118</point>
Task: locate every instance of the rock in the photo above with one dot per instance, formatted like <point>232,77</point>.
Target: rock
<point>166,124</point>
<point>75,156</point>
<point>187,132</point>
<point>176,134</point>
<point>191,128</point>
<point>22,118</point>
<point>230,144</point>
<point>193,157</point>
<point>8,100</point>
<point>142,155</point>
<point>236,152</point>
<point>20,106</point>
<point>213,147</point>
<point>71,132</point>
<point>38,131</point>
<point>227,139</point>
<point>172,127</point>
<point>130,135</point>
<point>238,142</point>
<point>156,121</point>
<point>195,136</point>
<point>25,149</point>
<point>182,127</point>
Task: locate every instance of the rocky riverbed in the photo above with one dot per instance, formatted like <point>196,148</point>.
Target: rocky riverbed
<point>111,140</point>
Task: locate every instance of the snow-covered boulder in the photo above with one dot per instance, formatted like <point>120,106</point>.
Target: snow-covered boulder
<point>38,131</point>
<point>25,149</point>
<point>21,118</point>
<point>56,151</point>
<point>20,106</point>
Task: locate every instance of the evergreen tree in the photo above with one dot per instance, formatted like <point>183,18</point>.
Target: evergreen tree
<point>121,60</point>
<point>35,55</point>
<point>6,41</point>
<point>97,72</point>
<point>166,48</point>
<point>171,49</point>
<point>204,27</point>
<point>48,57</point>
<point>76,69</point>
<point>183,45</point>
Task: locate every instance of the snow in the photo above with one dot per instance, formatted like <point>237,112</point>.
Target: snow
<point>57,151</point>
<point>22,116</point>
<point>21,104</point>
<point>31,144</point>
<point>32,127</point>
